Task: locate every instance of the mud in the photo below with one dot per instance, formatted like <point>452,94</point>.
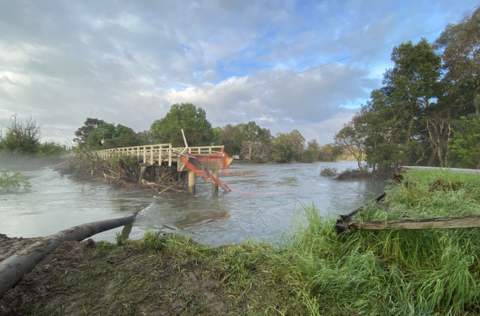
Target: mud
<point>9,246</point>
<point>36,285</point>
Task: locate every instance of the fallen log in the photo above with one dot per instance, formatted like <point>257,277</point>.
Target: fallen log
<point>13,268</point>
<point>416,224</point>
<point>342,223</point>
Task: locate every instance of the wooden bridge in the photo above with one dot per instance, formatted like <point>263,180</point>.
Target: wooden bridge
<point>158,153</point>
<point>166,155</point>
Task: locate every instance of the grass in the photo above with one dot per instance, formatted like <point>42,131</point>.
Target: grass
<point>311,271</point>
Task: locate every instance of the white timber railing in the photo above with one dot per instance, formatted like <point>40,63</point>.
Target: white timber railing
<point>160,152</point>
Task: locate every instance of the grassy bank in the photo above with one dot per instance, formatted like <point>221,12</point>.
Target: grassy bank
<point>312,271</point>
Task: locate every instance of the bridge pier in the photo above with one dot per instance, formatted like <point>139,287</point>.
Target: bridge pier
<point>214,185</point>
<point>191,182</point>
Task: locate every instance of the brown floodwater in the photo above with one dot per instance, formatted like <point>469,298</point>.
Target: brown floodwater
<point>54,203</point>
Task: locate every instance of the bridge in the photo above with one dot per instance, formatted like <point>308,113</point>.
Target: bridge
<point>168,157</point>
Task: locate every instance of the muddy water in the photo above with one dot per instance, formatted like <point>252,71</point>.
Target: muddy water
<point>54,203</point>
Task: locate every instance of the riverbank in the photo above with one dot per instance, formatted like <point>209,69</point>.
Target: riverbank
<point>310,271</point>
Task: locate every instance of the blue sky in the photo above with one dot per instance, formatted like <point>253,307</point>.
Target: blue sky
<point>128,61</point>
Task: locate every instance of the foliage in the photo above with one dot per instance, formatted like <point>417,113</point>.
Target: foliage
<point>309,156</point>
<point>459,47</point>
<point>298,144</point>
<point>51,149</point>
<point>24,138</point>
<point>230,134</point>
<point>328,171</point>
<point>8,180</point>
<point>113,136</point>
<point>251,138</point>
<point>465,143</point>
<point>352,137</point>
<point>410,118</point>
<point>130,162</point>
<point>184,115</point>
<point>257,159</point>
<point>20,137</point>
<point>282,150</point>
<point>83,132</point>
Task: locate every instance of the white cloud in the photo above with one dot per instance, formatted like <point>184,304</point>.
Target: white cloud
<point>127,62</point>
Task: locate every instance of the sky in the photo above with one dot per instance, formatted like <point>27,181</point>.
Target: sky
<point>305,65</point>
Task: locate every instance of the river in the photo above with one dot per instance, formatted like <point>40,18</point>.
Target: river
<point>54,203</point>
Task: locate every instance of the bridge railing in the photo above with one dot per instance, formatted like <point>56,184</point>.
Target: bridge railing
<point>148,153</point>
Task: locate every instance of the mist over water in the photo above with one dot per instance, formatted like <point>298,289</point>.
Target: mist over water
<point>54,203</point>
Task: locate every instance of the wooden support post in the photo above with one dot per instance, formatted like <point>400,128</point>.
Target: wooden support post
<point>214,185</point>
<point>152,173</point>
<point>151,155</point>
<point>191,182</point>
<point>143,167</point>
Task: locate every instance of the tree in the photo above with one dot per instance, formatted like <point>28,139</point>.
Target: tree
<point>251,136</point>
<point>460,47</point>
<point>180,116</point>
<point>20,137</point>
<point>144,135</point>
<point>194,138</point>
<point>465,143</point>
<point>83,132</point>
<point>282,150</point>
<point>351,137</point>
<point>24,138</point>
<point>113,136</point>
<point>298,144</point>
<point>414,83</point>
<point>217,133</point>
<point>229,137</point>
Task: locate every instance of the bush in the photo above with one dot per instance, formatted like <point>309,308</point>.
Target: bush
<point>51,149</point>
<point>328,172</point>
<point>257,159</point>
<point>16,179</point>
<point>130,162</point>
<point>354,174</point>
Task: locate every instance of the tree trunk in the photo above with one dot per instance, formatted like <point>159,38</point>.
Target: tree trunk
<point>13,268</point>
<point>432,157</point>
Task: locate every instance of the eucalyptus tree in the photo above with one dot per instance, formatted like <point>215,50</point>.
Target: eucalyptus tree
<point>459,46</point>
<point>184,115</point>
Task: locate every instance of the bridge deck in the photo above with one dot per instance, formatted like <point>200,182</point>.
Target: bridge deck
<point>157,153</point>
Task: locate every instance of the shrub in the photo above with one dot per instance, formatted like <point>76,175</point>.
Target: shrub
<point>328,172</point>
<point>257,159</point>
<point>129,162</point>
<point>8,180</point>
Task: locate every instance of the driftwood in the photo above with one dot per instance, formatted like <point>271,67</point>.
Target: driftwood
<point>13,268</point>
<point>414,224</point>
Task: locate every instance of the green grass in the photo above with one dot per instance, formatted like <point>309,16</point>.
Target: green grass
<point>310,271</point>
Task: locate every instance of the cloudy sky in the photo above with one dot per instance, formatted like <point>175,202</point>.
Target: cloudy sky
<point>305,65</point>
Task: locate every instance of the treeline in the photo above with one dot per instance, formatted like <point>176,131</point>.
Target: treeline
<point>248,141</point>
<point>428,110</point>
<point>23,138</point>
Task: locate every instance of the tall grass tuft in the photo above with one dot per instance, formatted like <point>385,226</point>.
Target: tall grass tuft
<point>397,272</point>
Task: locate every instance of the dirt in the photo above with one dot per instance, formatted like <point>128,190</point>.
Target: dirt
<point>35,286</point>
<point>73,274</point>
<point>8,246</point>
